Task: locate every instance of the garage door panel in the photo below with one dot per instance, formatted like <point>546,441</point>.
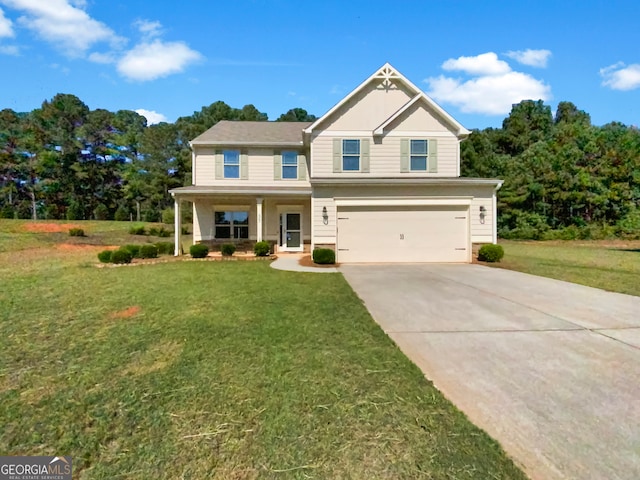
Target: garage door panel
<point>403,234</point>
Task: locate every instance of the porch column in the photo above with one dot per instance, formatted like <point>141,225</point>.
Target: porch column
<point>259,218</point>
<point>177,226</point>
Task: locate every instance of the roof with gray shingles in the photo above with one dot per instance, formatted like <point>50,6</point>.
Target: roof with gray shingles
<point>227,132</point>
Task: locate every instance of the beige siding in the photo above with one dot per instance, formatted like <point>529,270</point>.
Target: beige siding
<point>384,157</point>
<point>204,208</point>
<point>324,197</point>
<point>418,117</point>
<point>369,108</point>
<point>260,167</point>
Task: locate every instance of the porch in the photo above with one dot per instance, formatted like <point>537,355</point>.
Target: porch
<point>229,215</point>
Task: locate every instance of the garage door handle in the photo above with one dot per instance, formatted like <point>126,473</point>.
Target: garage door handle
<point>461,218</point>
<point>343,249</point>
<point>460,249</point>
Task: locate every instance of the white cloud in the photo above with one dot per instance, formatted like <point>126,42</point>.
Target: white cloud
<point>152,116</point>
<point>484,64</point>
<point>156,59</point>
<point>10,50</point>
<point>6,27</point>
<point>63,23</point>
<point>493,88</point>
<point>533,58</point>
<point>148,28</point>
<point>621,77</point>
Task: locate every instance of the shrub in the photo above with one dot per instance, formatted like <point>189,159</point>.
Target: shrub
<point>105,256</point>
<point>148,251</point>
<point>168,216</point>
<point>138,230</point>
<point>75,211</point>
<point>159,232</point>
<point>120,256</point>
<point>76,232</point>
<point>122,214</point>
<point>7,212</point>
<point>198,250</point>
<point>133,249</point>
<point>101,212</point>
<point>324,256</point>
<point>151,216</point>
<point>490,253</point>
<point>262,249</point>
<point>165,248</point>
<point>228,249</point>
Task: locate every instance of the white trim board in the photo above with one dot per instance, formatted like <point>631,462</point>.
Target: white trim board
<point>402,201</point>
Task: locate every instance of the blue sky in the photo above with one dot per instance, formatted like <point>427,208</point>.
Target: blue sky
<point>171,58</point>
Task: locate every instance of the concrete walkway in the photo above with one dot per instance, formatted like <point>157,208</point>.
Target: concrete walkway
<point>290,262</point>
<point>550,369</point>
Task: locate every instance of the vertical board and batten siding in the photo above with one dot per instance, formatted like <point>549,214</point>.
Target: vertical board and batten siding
<point>324,197</point>
<point>256,166</point>
<point>384,157</point>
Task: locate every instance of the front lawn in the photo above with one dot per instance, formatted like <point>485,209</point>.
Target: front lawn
<point>612,265</point>
<point>214,370</point>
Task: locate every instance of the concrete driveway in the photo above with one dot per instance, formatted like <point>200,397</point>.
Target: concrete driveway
<point>550,369</point>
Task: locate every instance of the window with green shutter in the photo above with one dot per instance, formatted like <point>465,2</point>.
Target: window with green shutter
<point>418,155</point>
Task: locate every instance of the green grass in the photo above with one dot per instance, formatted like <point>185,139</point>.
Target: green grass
<point>610,265</point>
<point>224,370</point>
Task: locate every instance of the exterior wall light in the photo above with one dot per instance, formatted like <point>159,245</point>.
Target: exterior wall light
<point>483,213</point>
<point>325,216</point>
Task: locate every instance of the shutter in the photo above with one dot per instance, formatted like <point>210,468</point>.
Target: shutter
<point>302,167</point>
<point>244,165</point>
<point>219,166</point>
<point>337,155</point>
<point>433,156</point>
<point>404,155</point>
<point>364,155</point>
<point>277,165</point>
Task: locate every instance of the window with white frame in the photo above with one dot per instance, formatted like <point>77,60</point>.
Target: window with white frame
<point>290,165</point>
<point>418,161</point>
<point>231,164</point>
<point>232,225</point>
<point>350,155</point>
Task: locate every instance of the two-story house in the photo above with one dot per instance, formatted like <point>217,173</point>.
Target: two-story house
<point>377,178</point>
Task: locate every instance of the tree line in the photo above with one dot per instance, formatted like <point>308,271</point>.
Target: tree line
<point>65,161</point>
<point>563,176</point>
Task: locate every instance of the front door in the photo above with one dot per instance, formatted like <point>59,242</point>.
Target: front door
<point>291,231</point>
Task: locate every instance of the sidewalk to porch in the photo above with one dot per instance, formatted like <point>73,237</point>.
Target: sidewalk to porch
<point>291,262</point>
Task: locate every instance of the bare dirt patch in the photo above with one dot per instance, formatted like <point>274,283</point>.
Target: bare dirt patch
<point>79,247</point>
<point>49,227</point>
<point>127,312</point>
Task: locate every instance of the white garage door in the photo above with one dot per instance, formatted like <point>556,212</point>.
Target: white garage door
<point>403,234</point>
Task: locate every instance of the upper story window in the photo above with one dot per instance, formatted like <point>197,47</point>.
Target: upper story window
<point>231,164</point>
<point>290,165</point>
<point>419,154</point>
<point>350,155</point>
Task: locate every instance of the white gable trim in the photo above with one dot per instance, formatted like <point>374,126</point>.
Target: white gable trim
<point>387,72</point>
<point>380,129</point>
<point>460,130</point>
